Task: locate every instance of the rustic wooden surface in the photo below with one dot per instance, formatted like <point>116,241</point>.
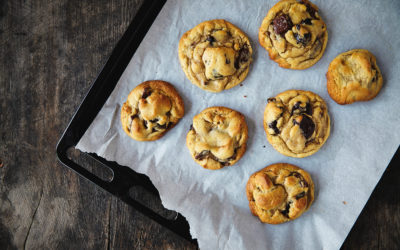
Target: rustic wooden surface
<point>50,52</point>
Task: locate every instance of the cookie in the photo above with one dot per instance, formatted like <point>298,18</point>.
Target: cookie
<point>215,55</point>
<point>297,123</point>
<point>217,137</point>
<point>151,109</point>
<point>294,34</point>
<point>279,193</point>
<point>354,76</point>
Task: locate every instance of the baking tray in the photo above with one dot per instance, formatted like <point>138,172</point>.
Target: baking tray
<point>123,178</point>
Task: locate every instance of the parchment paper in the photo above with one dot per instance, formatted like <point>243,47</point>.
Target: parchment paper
<point>364,136</point>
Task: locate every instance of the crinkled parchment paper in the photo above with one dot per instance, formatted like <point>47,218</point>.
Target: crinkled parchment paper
<point>364,136</point>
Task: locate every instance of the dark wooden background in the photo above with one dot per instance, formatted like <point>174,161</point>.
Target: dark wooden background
<point>50,52</point>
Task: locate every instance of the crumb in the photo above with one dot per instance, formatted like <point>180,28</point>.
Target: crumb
<point>241,84</point>
<point>264,146</point>
<point>344,202</point>
<point>245,96</point>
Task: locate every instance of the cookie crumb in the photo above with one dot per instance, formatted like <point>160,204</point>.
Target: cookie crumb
<point>264,146</point>
<point>245,96</point>
<point>241,85</point>
<point>344,202</point>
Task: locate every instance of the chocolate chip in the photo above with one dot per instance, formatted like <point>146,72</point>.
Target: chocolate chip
<point>145,123</point>
<point>272,99</point>
<point>168,113</point>
<point>154,130</point>
<point>301,195</point>
<point>191,127</point>
<point>211,39</point>
<point>307,126</point>
<point>298,26</point>
<point>154,120</point>
<point>202,155</point>
<point>302,39</point>
<point>273,126</point>
<point>303,183</point>
<point>146,93</point>
<point>134,116</point>
<point>227,61</point>
<point>310,9</point>
<point>306,21</point>
<point>243,56</point>
<point>297,106</point>
<point>286,211</point>
<point>233,157</point>
<point>282,24</point>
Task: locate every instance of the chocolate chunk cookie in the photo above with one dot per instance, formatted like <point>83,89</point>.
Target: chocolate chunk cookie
<point>217,137</point>
<point>297,123</point>
<point>279,193</point>
<point>152,108</point>
<point>354,76</point>
<point>294,34</point>
<point>215,55</point>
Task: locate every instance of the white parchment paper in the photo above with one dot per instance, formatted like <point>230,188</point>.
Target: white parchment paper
<point>364,136</point>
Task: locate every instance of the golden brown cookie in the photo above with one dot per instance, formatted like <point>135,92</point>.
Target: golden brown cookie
<point>279,193</point>
<point>294,34</point>
<point>215,55</point>
<point>151,109</point>
<point>354,76</point>
<point>297,123</point>
<point>217,137</point>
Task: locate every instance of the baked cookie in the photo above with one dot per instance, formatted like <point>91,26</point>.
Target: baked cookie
<point>279,193</point>
<point>217,137</point>
<point>297,123</point>
<point>215,55</point>
<point>294,34</point>
<point>152,108</point>
<point>354,76</point>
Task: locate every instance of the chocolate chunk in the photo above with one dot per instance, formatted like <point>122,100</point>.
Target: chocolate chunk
<point>243,56</point>
<point>146,93</point>
<point>273,126</point>
<point>211,39</point>
<point>307,126</point>
<point>310,9</point>
<point>233,157</point>
<point>301,195</point>
<point>302,39</point>
<point>227,61</point>
<point>297,106</point>
<point>282,24</point>
<point>145,123</point>
<point>202,155</point>
<point>306,21</point>
<point>286,211</point>
<point>168,113</point>
<point>134,116</point>
<point>191,127</point>
<point>153,130</point>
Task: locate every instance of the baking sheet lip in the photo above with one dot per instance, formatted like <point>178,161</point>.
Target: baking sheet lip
<point>100,90</point>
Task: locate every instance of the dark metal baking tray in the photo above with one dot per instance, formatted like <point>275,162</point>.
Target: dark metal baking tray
<point>123,178</point>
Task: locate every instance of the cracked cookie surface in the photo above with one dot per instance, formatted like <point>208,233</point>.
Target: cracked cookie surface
<point>297,123</point>
<point>217,137</point>
<point>151,109</point>
<point>279,193</point>
<point>354,76</point>
<point>215,55</point>
<point>294,34</point>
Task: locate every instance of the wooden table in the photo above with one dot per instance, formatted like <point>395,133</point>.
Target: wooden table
<point>50,52</point>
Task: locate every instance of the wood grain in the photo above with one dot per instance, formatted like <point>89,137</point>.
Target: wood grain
<point>50,52</point>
